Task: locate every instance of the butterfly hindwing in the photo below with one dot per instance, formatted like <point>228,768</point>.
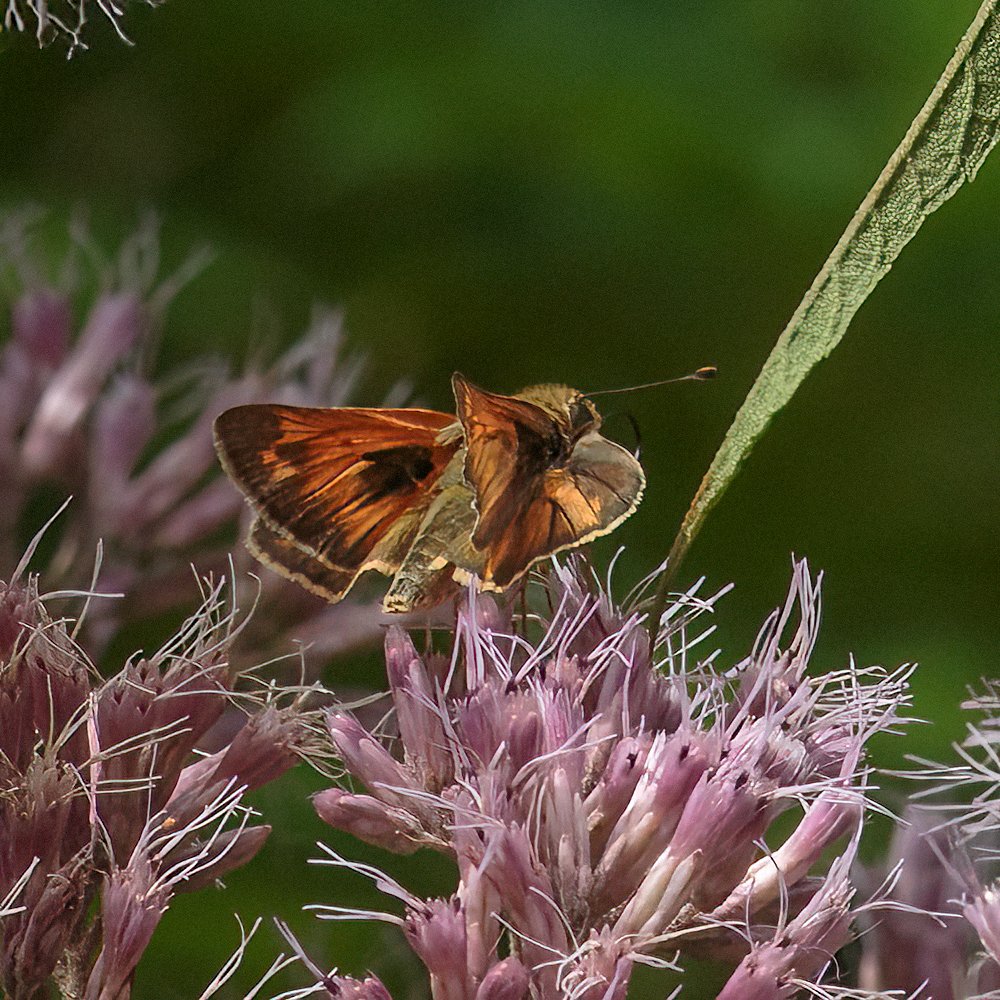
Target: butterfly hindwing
<point>334,489</point>
<point>593,493</point>
<point>289,560</point>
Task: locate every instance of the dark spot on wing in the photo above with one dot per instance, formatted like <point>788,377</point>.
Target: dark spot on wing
<point>395,469</point>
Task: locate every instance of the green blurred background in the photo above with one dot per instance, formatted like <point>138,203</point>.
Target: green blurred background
<point>599,194</point>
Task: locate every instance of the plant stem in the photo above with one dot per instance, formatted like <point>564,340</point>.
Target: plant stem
<point>943,148</point>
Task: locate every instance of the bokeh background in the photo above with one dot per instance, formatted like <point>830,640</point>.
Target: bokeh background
<point>598,194</point>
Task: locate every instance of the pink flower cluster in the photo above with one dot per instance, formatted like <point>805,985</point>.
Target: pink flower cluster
<point>116,794</point>
<point>81,415</point>
<point>942,936</point>
<point>607,809</point>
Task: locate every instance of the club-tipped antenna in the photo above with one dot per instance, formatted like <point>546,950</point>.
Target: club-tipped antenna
<point>701,375</point>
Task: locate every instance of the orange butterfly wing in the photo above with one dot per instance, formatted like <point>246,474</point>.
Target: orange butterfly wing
<point>332,486</point>
<point>537,492</point>
<point>292,561</point>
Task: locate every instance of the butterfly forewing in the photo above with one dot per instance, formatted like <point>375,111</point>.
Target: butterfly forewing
<point>600,487</point>
<point>333,484</point>
<point>537,489</point>
<point>509,443</point>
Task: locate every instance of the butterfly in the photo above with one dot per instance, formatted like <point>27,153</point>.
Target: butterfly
<point>429,499</point>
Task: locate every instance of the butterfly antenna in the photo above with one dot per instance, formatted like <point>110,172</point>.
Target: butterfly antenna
<point>638,434</point>
<point>701,375</point>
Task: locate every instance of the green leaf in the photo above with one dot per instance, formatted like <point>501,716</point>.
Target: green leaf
<point>943,148</point>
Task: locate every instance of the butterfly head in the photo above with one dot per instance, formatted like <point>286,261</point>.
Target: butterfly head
<point>570,409</point>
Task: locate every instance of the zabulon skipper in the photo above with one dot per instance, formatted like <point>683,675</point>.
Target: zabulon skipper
<point>423,497</point>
